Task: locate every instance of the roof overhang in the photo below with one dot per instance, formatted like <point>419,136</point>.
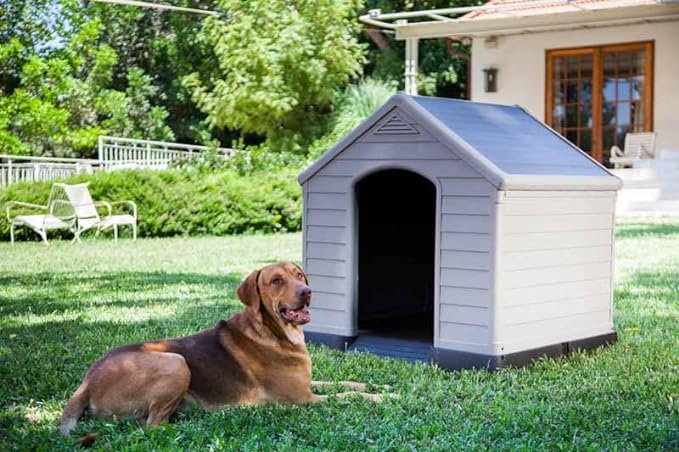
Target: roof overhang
<point>586,18</point>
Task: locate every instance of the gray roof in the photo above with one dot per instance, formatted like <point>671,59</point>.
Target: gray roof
<point>506,144</point>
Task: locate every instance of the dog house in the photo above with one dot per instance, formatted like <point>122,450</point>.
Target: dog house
<point>463,233</point>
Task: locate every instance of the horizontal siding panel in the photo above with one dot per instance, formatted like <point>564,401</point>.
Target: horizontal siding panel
<point>557,291</point>
<point>464,333</point>
<point>556,240</point>
<point>553,258</point>
<point>558,206</point>
<point>333,251</point>
<point>465,296</point>
<point>326,184</point>
<point>465,223</point>
<point>537,223</point>
<point>327,234</point>
<point>477,279</point>
<point>327,284</point>
<point>325,217</point>
<point>329,301</point>
<point>467,315</point>
<point>544,276</point>
<point>559,194</point>
<point>554,309</point>
<point>325,267</point>
<point>553,327</point>
<point>434,168</point>
<point>466,187</point>
<point>473,205</point>
<point>398,151</point>
<point>328,201</point>
<point>327,320</point>
<point>472,260</point>
<point>465,241</point>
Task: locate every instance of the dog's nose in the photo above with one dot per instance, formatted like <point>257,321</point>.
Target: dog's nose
<point>305,292</point>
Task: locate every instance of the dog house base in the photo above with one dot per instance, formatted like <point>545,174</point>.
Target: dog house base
<point>456,360</point>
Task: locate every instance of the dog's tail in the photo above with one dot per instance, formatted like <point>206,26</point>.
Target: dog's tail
<point>74,409</point>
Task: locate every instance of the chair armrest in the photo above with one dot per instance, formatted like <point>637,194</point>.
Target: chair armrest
<point>616,151</point>
<point>11,204</point>
<point>131,204</point>
<point>646,151</point>
<point>104,204</point>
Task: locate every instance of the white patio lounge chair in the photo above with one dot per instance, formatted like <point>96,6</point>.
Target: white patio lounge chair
<point>640,145</point>
<point>58,213</point>
<point>87,216</point>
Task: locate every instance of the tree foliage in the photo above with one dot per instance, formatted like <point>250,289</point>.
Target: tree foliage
<point>64,101</point>
<point>280,63</point>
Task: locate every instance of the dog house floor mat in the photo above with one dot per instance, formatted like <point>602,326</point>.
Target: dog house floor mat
<point>392,347</point>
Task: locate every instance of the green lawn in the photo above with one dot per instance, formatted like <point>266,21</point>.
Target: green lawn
<point>63,306</point>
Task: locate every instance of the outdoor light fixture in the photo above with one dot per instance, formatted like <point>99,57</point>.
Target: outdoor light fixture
<point>491,79</point>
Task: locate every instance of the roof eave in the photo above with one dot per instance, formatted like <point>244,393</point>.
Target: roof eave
<point>559,183</point>
<point>540,23</point>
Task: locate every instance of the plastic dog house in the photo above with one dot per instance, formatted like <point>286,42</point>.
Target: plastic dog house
<point>467,234</point>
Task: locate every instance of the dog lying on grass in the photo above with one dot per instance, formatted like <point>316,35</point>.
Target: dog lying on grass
<point>256,356</point>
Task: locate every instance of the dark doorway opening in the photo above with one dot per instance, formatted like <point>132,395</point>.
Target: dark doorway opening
<point>396,246</point>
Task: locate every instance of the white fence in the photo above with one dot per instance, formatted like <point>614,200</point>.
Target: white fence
<point>128,152</point>
<point>17,168</point>
<point>114,153</point>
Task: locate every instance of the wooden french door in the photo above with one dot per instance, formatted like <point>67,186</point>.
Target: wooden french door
<point>596,95</point>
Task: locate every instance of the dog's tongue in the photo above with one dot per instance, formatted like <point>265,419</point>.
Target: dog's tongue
<point>297,316</point>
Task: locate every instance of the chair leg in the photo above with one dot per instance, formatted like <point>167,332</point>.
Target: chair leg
<point>115,233</point>
<point>43,234</point>
<point>11,233</point>
<point>134,232</point>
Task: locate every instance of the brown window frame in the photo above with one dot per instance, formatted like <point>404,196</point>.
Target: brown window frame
<point>597,81</point>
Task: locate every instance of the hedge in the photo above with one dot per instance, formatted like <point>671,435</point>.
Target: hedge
<point>179,202</point>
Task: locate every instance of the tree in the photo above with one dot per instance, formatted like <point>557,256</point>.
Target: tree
<point>63,102</point>
<point>279,64</point>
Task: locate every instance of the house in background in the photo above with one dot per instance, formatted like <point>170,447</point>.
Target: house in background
<point>593,70</point>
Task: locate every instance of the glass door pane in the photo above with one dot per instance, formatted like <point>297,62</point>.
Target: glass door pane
<point>623,95</point>
<point>572,81</point>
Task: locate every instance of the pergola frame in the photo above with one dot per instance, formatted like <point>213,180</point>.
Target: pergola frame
<point>411,26</point>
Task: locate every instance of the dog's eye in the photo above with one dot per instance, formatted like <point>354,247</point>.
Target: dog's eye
<point>300,276</point>
<point>277,281</point>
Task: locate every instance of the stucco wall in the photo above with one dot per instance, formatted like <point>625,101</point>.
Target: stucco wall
<point>521,63</point>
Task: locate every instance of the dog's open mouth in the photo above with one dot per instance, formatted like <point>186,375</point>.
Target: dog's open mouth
<point>298,316</point>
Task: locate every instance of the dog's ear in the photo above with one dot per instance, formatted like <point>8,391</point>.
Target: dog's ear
<point>248,291</point>
<point>306,280</point>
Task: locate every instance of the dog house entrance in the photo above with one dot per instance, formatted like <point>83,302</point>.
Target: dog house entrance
<point>396,244</point>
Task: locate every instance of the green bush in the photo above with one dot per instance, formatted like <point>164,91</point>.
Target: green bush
<point>176,202</point>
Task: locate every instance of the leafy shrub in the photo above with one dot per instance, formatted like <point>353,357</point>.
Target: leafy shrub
<point>176,202</point>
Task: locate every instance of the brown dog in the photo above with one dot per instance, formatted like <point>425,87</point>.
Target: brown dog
<point>256,356</point>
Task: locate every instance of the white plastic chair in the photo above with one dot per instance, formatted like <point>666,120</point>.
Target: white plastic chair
<point>640,145</point>
<point>58,213</point>
<point>87,216</point>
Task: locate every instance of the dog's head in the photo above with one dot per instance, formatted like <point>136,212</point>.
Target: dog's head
<point>280,291</point>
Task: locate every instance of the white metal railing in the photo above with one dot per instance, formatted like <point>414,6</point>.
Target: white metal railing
<point>19,168</point>
<point>128,152</point>
<point>114,153</point>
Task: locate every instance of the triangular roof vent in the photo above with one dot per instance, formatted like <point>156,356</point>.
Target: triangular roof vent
<point>395,125</point>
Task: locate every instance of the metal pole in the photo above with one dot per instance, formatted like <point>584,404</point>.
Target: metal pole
<point>411,65</point>
<point>9,171</point>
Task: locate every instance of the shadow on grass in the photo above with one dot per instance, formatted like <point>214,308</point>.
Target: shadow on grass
<point>635,230</point>
<point>46,293</point>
